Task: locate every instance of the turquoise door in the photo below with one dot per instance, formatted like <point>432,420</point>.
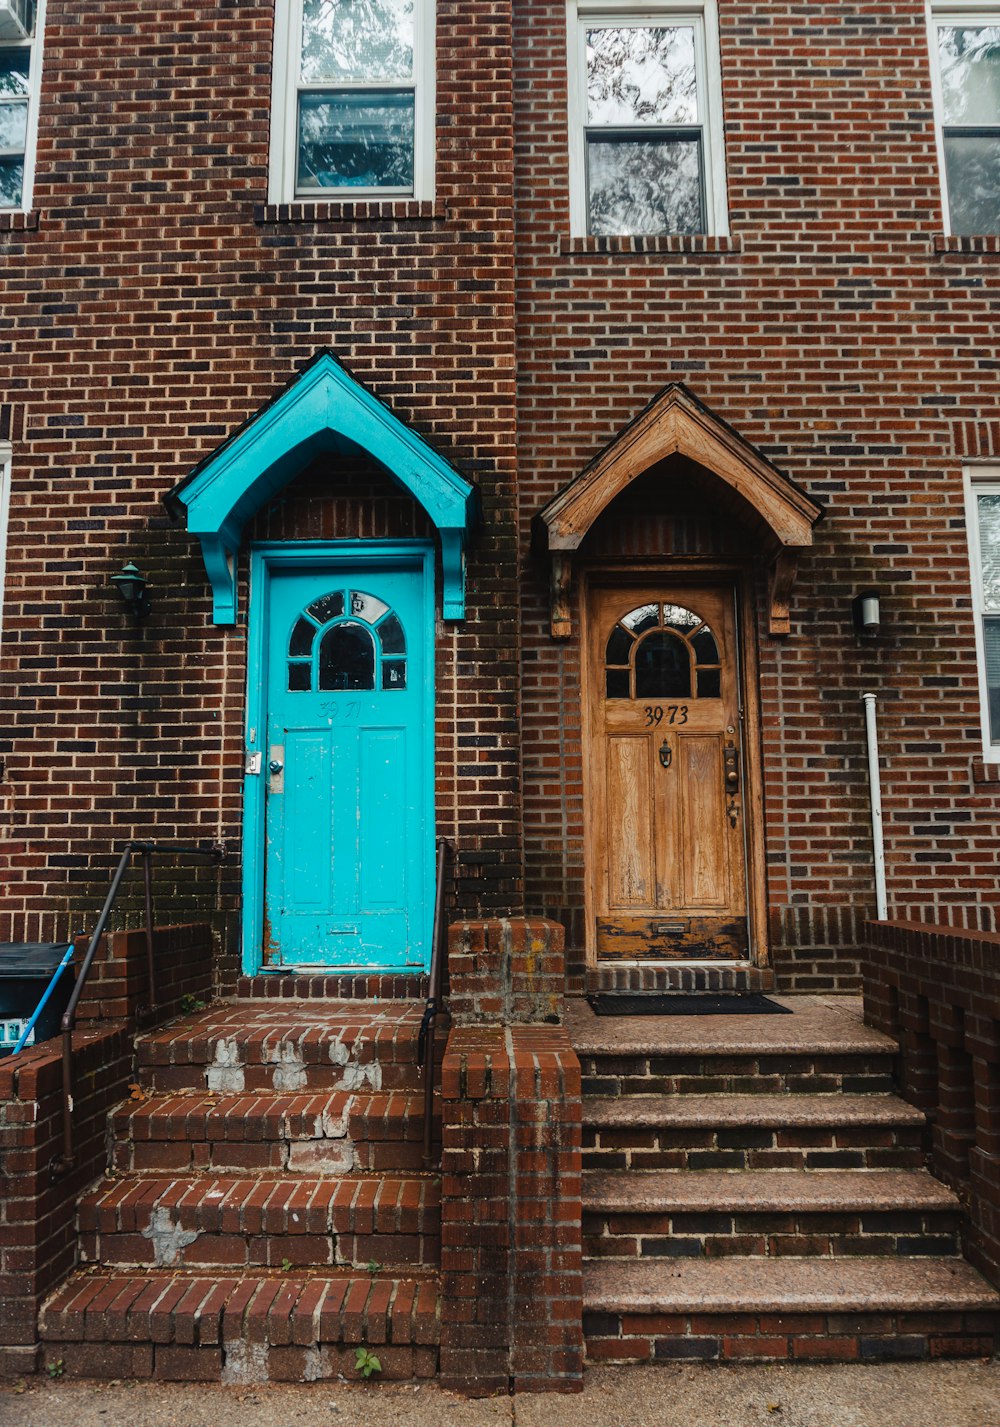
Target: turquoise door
<point>348,768</point>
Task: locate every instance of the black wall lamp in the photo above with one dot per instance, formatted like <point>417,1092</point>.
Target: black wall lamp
<point>866,609</point>
<point>131,585</point>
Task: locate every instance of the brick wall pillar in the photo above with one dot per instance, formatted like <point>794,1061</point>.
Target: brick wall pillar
<point>511,1256</point>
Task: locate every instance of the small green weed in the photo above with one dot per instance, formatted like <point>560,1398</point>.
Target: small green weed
<point>191,1003</point>
<point>366,1362</point>
<point>55,1367</point>
<point>285,1265</point>
<point>373,1266</point>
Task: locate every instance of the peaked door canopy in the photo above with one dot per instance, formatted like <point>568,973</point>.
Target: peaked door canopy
<point>676,423</point>
<point>322,409</point>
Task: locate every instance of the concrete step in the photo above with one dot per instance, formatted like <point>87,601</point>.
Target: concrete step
<point>776,1309</point>
<point>256,1045</point>
<point>265,1221</point>
<point>823,1047</point>
<point>327,1132</point>
<point>752,1132</point>
<point>241,1328</point>
<point>677,1214</point>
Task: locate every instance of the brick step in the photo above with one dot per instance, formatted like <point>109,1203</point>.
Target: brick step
<point>664,977</point>
<point>240,1329</point>
<point>335,986</point>
<point>287,1046</point>
<point>267,1221</point>
<point>774,1309</point>
<point>318,1134</point>
<point>677,1214</point>
<point>752,1132</point>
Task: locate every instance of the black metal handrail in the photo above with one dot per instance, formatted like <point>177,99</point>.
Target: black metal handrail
<point>145,850</point>
<point>425,1038</point>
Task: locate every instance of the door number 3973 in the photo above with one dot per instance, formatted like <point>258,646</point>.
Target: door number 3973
<point>673,713</point>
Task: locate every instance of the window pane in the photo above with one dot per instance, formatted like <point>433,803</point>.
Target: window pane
<point>709,683</point>
<point>662,667</point>
<point>647,616</point>
<point>299,677</point>
<point>390,632</point>
<point>347,658</point>
<point>680,618</point>
<point>973,166</point>
<point>618,684</point>
<point>619,646</point>
<point>649,185</point>
<point>301,641</point>
<point>13,126</point>
<point>989,549</point>
<point>327,607</point>
<point>14,73</point>
<point>705,648</point>
<point>970,73</point>
<point>991,642</point>
<point>356,141</point>
<point>11,182</point>
<point>394,674</point>
<point>367,606</point>
<point>639,75</point>
<point>356,40</point>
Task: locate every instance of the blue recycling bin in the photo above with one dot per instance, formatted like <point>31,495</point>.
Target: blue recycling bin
<point>35,986</point>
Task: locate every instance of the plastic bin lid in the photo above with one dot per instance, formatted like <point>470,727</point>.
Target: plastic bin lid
<point>24,960</point>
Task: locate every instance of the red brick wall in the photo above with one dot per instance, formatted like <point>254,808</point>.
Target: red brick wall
<point>155,305</point>
<point>859,354</point>
<point>37,1235</point>
<point>118,985</point>
<point>937,990</point>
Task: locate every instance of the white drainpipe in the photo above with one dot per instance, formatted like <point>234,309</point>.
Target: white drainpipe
<point>875,792</point>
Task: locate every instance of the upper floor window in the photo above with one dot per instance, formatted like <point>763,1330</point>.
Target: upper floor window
<point>20,73</point>
<point>982,495</point>
<point>646,154</point>
<point>965,58</point>
<point>352,103</point>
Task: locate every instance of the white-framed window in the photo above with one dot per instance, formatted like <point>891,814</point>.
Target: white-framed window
<point>982,505</point>
<point>352,99</point>
<point>6,456</point>
<point>965,74</point>
<point>20,79</point>
<point>646,145</point>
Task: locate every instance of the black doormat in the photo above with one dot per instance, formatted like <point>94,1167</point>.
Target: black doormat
<point>674,1003</point>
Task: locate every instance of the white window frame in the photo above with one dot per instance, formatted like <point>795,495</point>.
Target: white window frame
<point>704,17</point>
<point>6,462</point>
<point>285,87</point>
<point>980,480</point>
<point>950,12</point>
<point>34,88</point>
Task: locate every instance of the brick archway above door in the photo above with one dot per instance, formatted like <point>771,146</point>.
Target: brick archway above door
<point>676,423</point>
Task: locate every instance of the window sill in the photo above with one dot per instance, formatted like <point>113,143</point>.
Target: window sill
<point>966,243</point>
<point>353,210</point>
<point>14,220</point>
<point>701,243</point>
<point>983,772</point>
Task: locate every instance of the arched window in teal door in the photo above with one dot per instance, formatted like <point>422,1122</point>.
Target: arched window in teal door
<point>347,639</point>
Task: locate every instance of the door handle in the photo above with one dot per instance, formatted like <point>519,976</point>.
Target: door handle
<point>666,754</point>
<point>274,766</point>
<point>731,780</point>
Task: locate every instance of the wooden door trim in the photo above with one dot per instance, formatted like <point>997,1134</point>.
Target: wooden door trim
<point>740,578</point>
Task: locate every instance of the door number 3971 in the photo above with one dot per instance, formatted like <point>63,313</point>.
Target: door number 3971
<point>673,713</point>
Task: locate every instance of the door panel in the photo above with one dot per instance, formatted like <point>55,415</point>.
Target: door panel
<point>665,839</point>
<point>348,809</point>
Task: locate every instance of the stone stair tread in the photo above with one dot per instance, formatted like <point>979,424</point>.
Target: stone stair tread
<point>207,1310</point>
<point>786,1285</point>
<point>770,1190</point>
<point>736,1111</point>
<point>199,1114</point>
<point>817,1028</point>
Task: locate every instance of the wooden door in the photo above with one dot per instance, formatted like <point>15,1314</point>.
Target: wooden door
<point>666,846</point>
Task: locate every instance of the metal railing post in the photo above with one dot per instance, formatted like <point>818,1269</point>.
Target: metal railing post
<point>147,875</point>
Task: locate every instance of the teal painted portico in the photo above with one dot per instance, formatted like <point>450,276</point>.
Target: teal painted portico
<point>323,409</point>
<point>338,818</point>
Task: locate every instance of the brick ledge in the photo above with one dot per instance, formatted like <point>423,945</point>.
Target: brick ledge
<point>352,211</point>
<point>966,243</point>
<point>18,222</point>
<point>686,243</point>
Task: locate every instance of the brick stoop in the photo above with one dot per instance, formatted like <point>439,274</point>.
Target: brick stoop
<point>271,1154</point>
<point>752,1190</point>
